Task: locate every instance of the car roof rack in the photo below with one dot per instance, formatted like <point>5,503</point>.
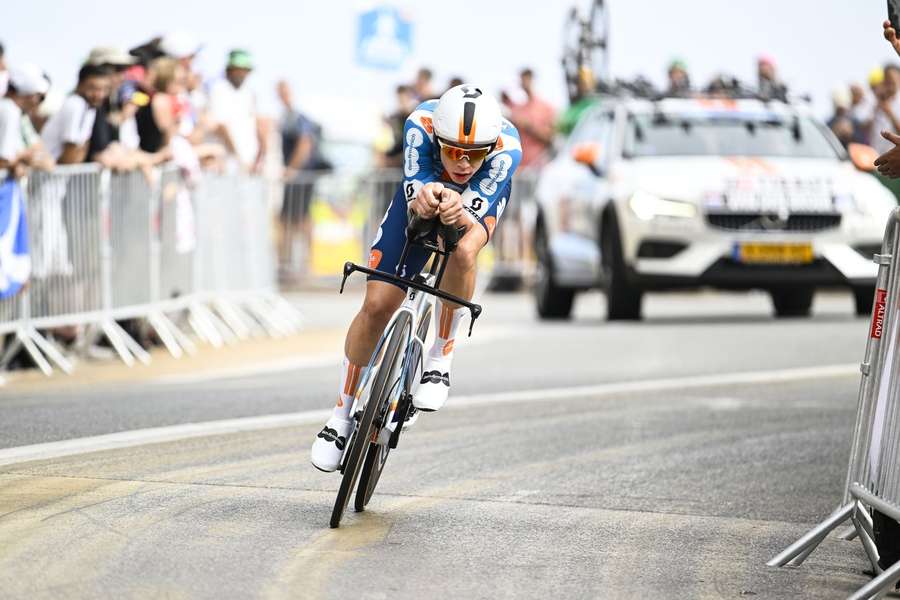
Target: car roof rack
<point>722,87</point>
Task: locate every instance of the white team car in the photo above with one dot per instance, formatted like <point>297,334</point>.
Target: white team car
<point>732,194</point>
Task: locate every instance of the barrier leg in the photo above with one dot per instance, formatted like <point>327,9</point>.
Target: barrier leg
<point>269,319</point>
<point>286,309</point>
<point>218,329</point>
<point>163,328</point>
<point>183,340</point>
<point>52,352</point>
<point>867,537</point>
<point>23,340</point>
<point>848,534</point>
<point>880,584</point>
<point>798,560</point>
<point>813,537</point>
<point>203,326</point>
<point>116,337</point>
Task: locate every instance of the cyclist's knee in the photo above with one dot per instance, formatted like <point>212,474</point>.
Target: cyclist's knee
<point>379,307</point>
<point>465,257</point>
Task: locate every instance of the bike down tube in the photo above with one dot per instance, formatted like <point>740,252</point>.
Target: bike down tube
<point>474,309</point>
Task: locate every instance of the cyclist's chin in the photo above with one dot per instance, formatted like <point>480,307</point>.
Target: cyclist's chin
<point>460,178</point>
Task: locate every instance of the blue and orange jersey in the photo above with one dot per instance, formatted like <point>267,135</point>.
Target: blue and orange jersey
<point>422,164</point>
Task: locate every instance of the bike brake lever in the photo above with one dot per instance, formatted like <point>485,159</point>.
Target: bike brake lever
<point>475,311</point>
<point>348,271</point>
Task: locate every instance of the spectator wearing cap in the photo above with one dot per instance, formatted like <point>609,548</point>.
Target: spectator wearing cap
<point>535,120</point>
<point>770,86</point>
<point>233,110</point>
<point>114,135</point>
<point>19,145</point>
<point>679,81</point>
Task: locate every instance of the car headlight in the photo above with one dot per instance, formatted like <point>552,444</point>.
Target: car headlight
<point>647,207</point>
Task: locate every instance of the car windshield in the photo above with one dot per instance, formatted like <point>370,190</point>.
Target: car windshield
<point>670,135</point>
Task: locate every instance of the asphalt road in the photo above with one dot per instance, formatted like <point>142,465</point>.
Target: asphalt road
<point>669,458</point>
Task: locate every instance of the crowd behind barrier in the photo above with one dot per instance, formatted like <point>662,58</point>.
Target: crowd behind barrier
<point>871,497</point>
<point>109,249</point>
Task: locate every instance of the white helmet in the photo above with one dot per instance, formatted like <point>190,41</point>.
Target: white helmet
<point>466,116</point>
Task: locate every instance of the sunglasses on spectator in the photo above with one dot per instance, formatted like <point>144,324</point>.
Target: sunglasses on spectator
<point>457,153</point>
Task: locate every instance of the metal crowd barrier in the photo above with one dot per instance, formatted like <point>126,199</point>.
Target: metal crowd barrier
<point>873,474</point>
<point>108,248</point>
<point>512,241</point>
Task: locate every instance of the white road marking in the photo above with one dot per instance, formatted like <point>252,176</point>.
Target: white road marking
<point>155,435</point>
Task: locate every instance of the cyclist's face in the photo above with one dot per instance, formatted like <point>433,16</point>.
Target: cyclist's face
<point>460,171</point>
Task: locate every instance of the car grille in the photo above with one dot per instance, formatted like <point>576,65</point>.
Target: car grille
<point>771,222</point>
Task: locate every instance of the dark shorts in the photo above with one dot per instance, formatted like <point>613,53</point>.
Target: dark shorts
<point>391,237</point>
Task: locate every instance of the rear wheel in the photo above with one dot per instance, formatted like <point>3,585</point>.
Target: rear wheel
<point>792,302</point>
<point>623,299</point>
<point>864,297</point>
<point>366,425</point>
<point>553,301</point>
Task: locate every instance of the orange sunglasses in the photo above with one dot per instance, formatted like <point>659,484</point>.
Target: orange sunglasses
<point>457,153</point>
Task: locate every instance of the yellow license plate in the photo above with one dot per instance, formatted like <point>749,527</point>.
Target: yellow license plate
<point>757,253</point>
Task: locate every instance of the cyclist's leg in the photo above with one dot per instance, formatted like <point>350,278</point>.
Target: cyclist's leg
<point>459,280</point>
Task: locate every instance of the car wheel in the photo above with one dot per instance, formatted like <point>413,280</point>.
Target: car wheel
<point>553,301</point>
<point>623,300</point>
<point>792,302</point>
<point>864,297</point>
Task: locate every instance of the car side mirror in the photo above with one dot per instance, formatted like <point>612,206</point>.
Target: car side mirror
<point>588,154</point>
<point>863,157</point>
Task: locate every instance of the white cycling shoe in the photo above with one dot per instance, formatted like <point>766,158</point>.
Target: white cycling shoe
<point>434,387</point>
<point>329,445</point>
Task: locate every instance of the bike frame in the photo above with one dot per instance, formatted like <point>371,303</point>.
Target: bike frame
<point>422,289</point>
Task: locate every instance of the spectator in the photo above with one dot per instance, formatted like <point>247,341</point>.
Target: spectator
<point>455,81</point>
<point>4,74</point>
<point>422,85</point>
<point>769,85</point>
<point>232,108</point>
<point>406,104</point>
<point>585,89</point>
<point>679,81</point>
<point>301,137</point>
<point>861,113</point>
<point>158,120</point>
<point>841,122</point>
<point>68,132</point>
<point>535,120</point>
<point>19,144</point>
<point>116,113</point>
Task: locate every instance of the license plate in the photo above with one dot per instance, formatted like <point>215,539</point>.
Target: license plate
<point>756,253</point>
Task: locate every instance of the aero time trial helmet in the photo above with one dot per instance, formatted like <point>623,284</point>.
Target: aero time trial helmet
<point>467,117</point>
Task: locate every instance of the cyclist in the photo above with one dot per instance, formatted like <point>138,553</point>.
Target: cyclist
<point>459,158</point>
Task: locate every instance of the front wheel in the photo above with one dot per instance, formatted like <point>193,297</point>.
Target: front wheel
<point>623,299</point>
<point>377,403</point>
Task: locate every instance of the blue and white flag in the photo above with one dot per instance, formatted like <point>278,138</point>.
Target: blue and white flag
<point>15,263</point>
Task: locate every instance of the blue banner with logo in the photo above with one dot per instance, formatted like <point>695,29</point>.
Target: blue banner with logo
<point>384,39</point>
<point>15,262</point>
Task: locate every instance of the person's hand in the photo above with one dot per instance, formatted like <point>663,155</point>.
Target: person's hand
<point>426,202</point>
<point>450,209</point>
<point>888,164</point>
<point>891,36</point>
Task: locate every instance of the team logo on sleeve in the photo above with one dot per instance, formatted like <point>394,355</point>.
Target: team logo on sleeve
<point>427,124</point>
<point>414,139</point>
<point>498,171</point>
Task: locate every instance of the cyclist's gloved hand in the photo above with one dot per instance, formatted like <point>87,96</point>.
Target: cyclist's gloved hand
<point>451,207</point>
<point>426,202</point>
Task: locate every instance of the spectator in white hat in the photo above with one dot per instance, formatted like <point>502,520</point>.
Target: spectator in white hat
<point>114,131</point>
<point>25,91</point>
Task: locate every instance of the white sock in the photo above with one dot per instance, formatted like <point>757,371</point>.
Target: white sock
<point>351,376</point>
<point>446,323</point>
